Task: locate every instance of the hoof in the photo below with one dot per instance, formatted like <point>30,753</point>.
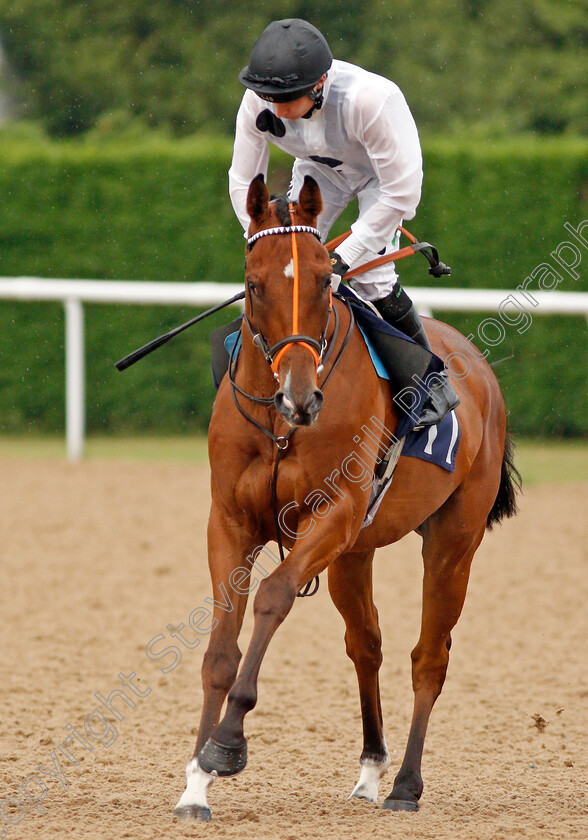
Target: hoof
<point>399,805</point>
<point>363,796</point>
<point>193,812</point>
<point>222,760</point>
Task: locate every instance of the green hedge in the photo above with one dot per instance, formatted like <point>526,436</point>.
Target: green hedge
<point>159,210</point>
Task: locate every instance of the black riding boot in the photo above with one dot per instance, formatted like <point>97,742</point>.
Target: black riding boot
<point>398,310</point>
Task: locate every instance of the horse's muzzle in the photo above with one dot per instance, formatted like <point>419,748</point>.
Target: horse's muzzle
<point>299,414</point>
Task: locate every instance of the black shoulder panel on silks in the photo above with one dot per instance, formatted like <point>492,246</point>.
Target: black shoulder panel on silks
<point>327,161</point>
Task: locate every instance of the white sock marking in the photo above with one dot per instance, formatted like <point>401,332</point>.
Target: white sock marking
<point>197,783</point>
<point>369,780</point>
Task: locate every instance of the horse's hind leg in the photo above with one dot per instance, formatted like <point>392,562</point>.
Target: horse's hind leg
<point>350,585</point>
<point>448,549</point>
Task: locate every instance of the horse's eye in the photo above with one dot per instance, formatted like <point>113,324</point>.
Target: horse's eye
<point>326,282</point>
<point>252,287</point>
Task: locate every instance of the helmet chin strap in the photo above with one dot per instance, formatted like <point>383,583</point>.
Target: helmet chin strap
<point>268,121</point>
<point>318,97</point>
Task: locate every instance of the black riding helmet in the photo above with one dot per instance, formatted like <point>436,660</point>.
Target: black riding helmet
<point>287,61</point>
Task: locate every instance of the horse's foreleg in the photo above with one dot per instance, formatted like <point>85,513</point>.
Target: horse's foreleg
<point>226,751</point>
<point>350,585</point>
<point>447,554</point>
<point>219,668</point>
<point>228,546</point>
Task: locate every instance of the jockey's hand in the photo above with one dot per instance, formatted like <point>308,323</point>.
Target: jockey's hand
<point>338,269</point>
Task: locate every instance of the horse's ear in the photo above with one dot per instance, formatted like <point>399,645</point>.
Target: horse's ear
<point>257,199</point>
<point>310,202</point>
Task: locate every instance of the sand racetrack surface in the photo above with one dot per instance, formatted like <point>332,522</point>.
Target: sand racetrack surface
<point>100,558</point>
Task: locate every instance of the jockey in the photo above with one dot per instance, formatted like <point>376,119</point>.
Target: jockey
<point>353,132</point>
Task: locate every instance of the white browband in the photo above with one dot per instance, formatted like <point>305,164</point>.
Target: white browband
<point>290,229</point>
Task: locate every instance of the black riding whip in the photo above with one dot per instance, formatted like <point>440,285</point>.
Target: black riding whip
<point>129,360</point>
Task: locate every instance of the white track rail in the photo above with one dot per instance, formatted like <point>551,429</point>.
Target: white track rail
<point>75,293</point>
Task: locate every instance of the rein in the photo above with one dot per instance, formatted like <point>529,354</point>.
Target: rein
<point>436,267</point>
<point>282,441</point>
<point>320,351</point>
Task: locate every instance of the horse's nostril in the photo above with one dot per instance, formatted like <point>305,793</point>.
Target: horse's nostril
<point>283,403</point>
<point>314,402</point>
<point>310,407</point>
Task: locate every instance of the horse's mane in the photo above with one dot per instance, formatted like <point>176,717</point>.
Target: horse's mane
<point>280,205</point>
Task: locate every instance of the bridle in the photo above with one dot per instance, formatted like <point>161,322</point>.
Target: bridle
<point>320,351</point>
<point>276,352</point>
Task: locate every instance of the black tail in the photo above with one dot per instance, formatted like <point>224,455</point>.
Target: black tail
<point>505,504</point>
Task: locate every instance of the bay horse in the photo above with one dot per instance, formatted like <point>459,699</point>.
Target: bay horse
<point>288,330</point>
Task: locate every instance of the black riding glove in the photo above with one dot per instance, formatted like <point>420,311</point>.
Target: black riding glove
<point>338,269</point>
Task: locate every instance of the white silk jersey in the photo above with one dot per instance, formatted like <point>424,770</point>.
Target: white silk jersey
<point>363,140</point>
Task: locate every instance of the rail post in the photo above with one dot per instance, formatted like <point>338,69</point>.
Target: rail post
<point>74,378</point>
